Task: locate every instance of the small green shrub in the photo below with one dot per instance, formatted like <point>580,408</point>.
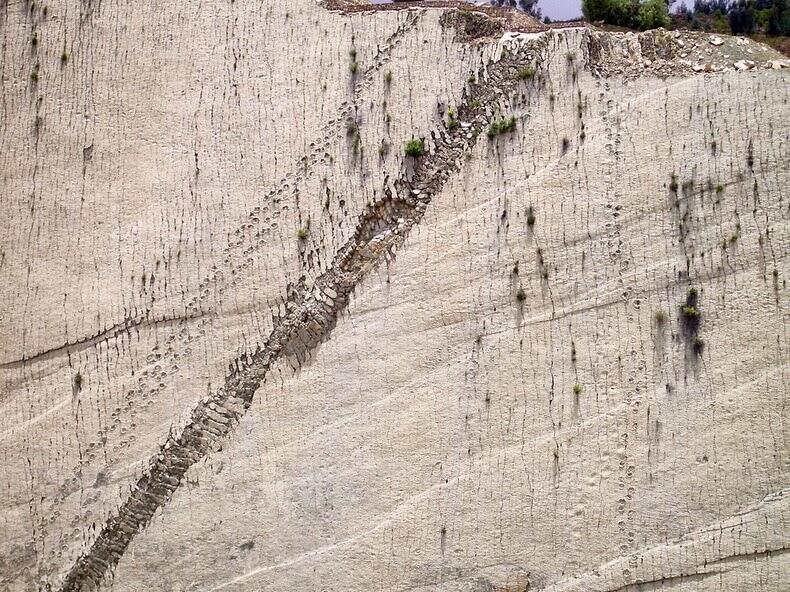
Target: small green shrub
<point>353,67</point>
<point>388,77</point>
<point>660,317</point>
<point>415,148</point>
<point>64,57</point>
<point>577,389</point>
<point>78,380</point>
<point>719,188</point>
<point>303,233</point>
<point>690,312</point>
<point>570,56</point>
<point>526,73</point>
<point>530,217</point>
<point>452,121</point>
<point>501,126</point>
<point>521,295</point>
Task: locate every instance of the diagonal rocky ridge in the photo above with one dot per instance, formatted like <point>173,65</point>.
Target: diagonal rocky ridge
<point>247,239</point>
<point>312,313</point>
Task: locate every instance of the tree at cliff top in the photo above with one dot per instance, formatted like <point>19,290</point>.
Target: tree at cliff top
<point>779,18</point>
<point>741,17</point>
<point>636,14</point>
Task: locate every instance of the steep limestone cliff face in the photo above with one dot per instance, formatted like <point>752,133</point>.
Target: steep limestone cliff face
<point>248,344</point>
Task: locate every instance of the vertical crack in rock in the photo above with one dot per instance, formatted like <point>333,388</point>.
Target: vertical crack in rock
<point>311,315</point>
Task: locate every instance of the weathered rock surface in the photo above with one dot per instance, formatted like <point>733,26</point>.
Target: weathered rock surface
<point>246,344</point>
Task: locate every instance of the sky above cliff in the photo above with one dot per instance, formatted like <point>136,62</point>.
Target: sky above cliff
<point>561,9</point>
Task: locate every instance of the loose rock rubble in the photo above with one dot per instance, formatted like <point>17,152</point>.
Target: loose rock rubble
<point>677,53</point>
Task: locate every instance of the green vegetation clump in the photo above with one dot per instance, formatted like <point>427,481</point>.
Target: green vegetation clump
<point>661,317</point>
<point>78,380</point>
<point>521,295</point>
<point>577,389</point>
<point>64,57</point>
<point>303,233</point>
<point>530,217</point>
<point>353,67</point>
<point>452,120</point>
<point>690,314</point>
<point>415,148</point>
<point>388,77</point>
<point>526,73</point>
<point>636,14</point>
<point>501,126</point>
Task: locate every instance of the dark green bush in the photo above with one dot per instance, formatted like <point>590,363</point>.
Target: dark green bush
<point>415,148</point>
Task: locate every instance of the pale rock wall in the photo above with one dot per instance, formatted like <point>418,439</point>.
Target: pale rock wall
<point>435,440</point>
